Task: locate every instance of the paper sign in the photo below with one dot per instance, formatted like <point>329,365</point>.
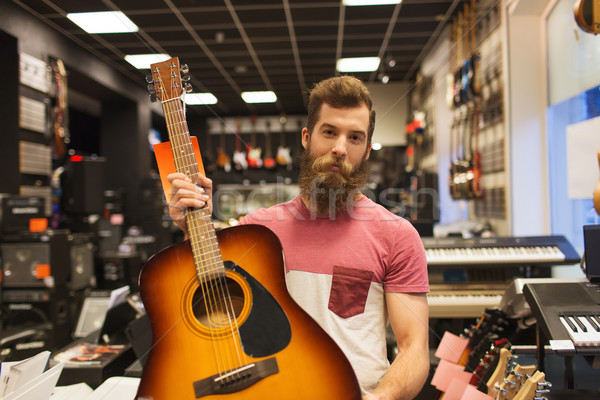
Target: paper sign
<point>456,389</point>
<point>583,144</point>
<point>451,347</point>
<point>166,164</point>
<point>446,371</point>
<point>471,393</point>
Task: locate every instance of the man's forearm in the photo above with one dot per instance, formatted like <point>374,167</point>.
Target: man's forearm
<point>405,377</point>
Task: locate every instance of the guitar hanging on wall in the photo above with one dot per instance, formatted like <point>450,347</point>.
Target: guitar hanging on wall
<point>223,324</point>
<point>587,15</point>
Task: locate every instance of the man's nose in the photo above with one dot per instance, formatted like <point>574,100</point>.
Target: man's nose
<point>339,148</point>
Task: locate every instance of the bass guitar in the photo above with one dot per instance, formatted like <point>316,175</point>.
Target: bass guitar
<point>223,324</point>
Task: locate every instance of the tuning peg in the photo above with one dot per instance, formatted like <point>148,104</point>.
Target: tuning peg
<point>186,78</point>
<point>149,78</point>
<point>188,87</point>
<point>153,97</point>
<point>184,69</point>
<point>151,89</point>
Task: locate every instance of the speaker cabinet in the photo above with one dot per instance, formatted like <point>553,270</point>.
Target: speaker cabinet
<point>83,186</point>
<point>36,260</point>
<point>81,262</point>
<point>18,210</point>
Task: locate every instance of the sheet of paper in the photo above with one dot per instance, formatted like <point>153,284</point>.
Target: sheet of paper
<point>116,388</point>
<point>25,371</point>
<point>451,347</point>
<point>446,371</point>
<point>455,389</point>
<point>40,388</point>
<point>583,144</point>
<point>471,393</point>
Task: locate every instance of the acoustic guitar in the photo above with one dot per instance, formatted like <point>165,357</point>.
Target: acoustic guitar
<point>223,324</point>
<point>587,15</point>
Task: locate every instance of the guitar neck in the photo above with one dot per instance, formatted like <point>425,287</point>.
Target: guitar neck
<point>203,239</point>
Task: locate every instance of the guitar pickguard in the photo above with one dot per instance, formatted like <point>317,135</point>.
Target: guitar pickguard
<point>267,329</point>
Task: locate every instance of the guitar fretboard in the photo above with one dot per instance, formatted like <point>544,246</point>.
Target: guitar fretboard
<point>203,240</point>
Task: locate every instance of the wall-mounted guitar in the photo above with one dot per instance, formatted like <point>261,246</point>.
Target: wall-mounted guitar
<point>228,329</point>
<point>239,155</point>
<point>283,152</point>
<point>253,152</point>
<point>61,138</point>
<point>223,160</point>
<point>269,161</point>
<point>587,15</point>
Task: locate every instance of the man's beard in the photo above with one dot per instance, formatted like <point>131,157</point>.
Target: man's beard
<point>327,191</point>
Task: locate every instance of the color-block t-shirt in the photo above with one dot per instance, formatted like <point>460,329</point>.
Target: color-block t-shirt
<point>339,269</point>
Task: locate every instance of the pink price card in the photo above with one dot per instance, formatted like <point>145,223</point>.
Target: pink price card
<point>451,347</point>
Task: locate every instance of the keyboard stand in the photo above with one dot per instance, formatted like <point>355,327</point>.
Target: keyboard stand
<point>547,302</point>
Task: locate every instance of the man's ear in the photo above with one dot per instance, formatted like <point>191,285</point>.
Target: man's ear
<point>368,152</point>
<point>305,137</point>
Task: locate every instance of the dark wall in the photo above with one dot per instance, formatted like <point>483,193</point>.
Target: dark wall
<point>125,118</point>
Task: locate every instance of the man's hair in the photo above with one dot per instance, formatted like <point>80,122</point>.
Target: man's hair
<point>339,92</point>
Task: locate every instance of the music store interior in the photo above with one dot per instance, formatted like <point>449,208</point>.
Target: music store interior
<point>486,140</point>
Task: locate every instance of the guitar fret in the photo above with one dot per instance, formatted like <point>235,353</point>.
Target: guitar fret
<point>205,247</point>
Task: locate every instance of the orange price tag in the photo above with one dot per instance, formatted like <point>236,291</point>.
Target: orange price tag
<point>38,224</point>
<point>166,164</point>
<point>42,271</point>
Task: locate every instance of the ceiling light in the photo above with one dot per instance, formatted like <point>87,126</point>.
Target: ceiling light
<point>198,99</point>
<point>259,97</point>
<point>370,2</point>
<point>358,64</point>
<point>103,22</point>
<point>376,146</point>
<point>143,61</point>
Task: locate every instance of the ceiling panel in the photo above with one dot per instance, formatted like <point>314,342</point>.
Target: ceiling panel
<point>235,45</point>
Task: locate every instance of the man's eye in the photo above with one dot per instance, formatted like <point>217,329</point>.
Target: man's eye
<point>328,132</point>
<point>356,138</point>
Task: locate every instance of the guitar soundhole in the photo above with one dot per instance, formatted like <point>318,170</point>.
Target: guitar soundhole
<point>218,303</point>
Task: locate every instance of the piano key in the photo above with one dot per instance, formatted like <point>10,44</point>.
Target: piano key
<point>589,337</point>
<point>570,324</point>
<point>593,323</point>
<point>578,322</point>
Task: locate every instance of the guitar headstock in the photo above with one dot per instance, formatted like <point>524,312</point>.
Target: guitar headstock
<point>534,387</point>
<point>169,80</point>
<point>514,381</point>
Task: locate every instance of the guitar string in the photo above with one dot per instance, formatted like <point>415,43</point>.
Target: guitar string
<point>217,260</point>
<point>174,139</point>
<point>212,305</point>
<point>175,146</point>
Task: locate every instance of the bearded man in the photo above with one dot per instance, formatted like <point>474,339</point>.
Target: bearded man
<point>350,264</point>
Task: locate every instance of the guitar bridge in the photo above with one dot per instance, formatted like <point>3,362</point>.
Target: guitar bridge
<point>237,379</point>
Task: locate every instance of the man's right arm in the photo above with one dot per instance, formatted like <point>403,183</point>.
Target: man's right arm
<point>187,194</point>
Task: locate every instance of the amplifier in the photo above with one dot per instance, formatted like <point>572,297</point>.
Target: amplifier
<point>18,210</point>
<point>37,259</point>
<point>48,259</point>
<point>83,186</point>
<point>32,307</point>
<point>82,262</point>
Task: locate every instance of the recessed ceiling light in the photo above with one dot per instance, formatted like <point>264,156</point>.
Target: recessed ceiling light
<point>259,97</point>
<point>197,99</point>
<point>358,64</point>
<point>103,22</point>
<point>143,61</point>
<point>370,2</point>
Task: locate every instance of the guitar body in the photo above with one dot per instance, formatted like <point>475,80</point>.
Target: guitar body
<point>273,329</point>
